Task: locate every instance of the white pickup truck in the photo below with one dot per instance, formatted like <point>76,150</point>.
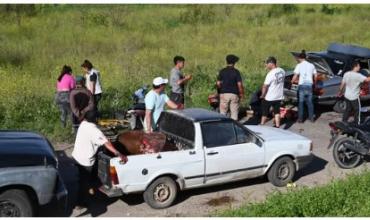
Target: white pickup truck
<point>210,149</point>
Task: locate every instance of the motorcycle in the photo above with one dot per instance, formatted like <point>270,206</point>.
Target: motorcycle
<point>350,150</point>
<point>136,113</point>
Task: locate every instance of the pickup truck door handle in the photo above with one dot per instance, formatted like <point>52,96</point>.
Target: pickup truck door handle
<point>212,153</point>
<point>192,152</point>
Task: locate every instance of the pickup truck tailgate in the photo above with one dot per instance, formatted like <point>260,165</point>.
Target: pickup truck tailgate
<point>104,170</point>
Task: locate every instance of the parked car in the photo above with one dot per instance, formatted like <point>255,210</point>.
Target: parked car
<point>331,66</point>
<point>210,149</point>
<point>28,174</point>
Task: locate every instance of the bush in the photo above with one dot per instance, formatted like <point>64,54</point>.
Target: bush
<point>198,14</point>
<point>279,10</point>
<point>348,197</point>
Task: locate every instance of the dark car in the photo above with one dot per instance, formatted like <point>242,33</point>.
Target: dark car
<point>29,174</point>
<point>331,66</point>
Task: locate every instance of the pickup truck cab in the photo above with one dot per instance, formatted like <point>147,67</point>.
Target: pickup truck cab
<point>29,174</point>
<point>210,149</point>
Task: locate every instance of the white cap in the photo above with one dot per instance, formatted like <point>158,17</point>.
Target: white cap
<point>159,81</point>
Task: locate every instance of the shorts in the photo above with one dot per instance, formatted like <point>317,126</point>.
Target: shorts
<point>267,104</point>
<point>177,98</point>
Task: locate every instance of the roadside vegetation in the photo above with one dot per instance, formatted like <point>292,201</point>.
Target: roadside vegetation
<point>348,197</point>
<point>131,44</point>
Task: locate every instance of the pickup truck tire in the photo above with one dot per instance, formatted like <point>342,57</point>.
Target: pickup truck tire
<point>15,203</point>
<point>161,193</point>
<point>281,172</point>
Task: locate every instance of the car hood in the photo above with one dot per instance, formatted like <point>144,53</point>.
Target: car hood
<point>273,134</point>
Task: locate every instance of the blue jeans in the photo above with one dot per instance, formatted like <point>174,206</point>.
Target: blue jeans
<point>305,96</point>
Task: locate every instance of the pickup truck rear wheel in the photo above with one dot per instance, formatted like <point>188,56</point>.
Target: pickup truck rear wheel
<point>161,193</point>
<point>15,203</point>
<point>281,172</point>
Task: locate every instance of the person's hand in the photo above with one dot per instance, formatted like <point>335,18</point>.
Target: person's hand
<point>241,98</point>
<point>339,95</point>
<point>148,131</point>
<point>123,158</point>
<point>180,106</point>
<point>189,77</point>
<point>262,97</point>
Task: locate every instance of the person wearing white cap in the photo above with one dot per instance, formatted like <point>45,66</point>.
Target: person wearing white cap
<point>155,101</point>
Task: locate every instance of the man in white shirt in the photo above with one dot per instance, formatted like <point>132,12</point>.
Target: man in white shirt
<point>307,74</point>
<point>351,82</point>
<point>272,91</point>
<point>88,139</point>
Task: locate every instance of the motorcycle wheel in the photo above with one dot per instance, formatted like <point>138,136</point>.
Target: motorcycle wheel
<point>345,158</point>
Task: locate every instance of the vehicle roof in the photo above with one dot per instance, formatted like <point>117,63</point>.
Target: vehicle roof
<point>10,134</point>
<point>199,115</point>
<point>341,51</point>
<point>24,142</point>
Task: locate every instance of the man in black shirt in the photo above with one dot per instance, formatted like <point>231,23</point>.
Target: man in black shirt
<point>231,87</point>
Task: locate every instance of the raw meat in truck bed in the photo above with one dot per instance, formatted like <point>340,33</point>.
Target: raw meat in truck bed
<point>139,142</point>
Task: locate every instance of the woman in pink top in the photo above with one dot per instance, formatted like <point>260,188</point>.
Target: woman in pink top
<point>66,82</point>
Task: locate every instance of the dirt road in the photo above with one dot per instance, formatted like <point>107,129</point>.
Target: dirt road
<point>203,202</point>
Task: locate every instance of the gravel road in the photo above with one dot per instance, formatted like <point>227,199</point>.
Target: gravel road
<point>203,202</point>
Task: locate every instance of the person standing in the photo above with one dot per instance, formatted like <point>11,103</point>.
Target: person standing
<point>65,84</point>
<point>230,84</point>
<point>155,101</point>
<point>93,82</point>
<point>81,101</point>
<point>88,140</point>
<point>351,83</point>
<point>178,80</point>
<point>307,74</point>
<point>272,91</point>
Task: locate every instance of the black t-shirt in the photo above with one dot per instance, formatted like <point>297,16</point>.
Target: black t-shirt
<point>229,77</point>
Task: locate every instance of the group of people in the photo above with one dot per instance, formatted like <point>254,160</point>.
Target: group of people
<point>76,96</point>
<point>81,95</point>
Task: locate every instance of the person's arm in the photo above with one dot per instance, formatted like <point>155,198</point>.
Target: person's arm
<point>184,80</point>
<point>148,120</point>
<point>341,88</point>
<point>72,102</point>
<point>266,84</point>
<point>93,79</point>
<point>172,105</point>
<point>149,105</point>
<point>240,86</point>
<point>295,78</point>
<point>367,79</point>
<point>108,145</point>
<point>219,81</point>
<point>264,91</point>
<point>90,105</point>
<point>72,83</point>
<point>296,74</point>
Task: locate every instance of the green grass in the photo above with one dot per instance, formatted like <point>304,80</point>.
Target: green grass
<point>349,197</point>
<point>131,44</point>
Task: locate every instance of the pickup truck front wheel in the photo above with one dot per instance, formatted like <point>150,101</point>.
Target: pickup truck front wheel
<point>15,203</point>
<point>161,193</point>
<point>281,172</point>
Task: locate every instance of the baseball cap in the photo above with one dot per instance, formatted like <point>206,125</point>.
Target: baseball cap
<point>159,81</point>
<point>79,79</point>
<point>270,60</point>
<point>232,59</point>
